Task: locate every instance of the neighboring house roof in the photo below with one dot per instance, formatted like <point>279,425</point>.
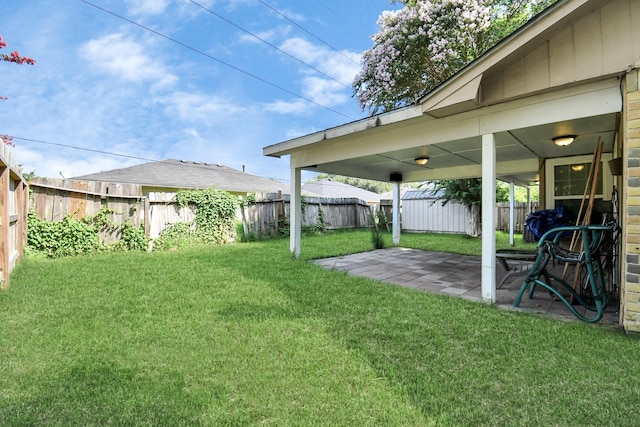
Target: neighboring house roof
<point>181,174</point>
<point>334,189</point>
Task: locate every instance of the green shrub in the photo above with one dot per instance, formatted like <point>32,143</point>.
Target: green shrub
<point>215,220</point>
<point>177,236</point>
<point>69,236</point>
<point>376,222</point>
<point>72,236</point>
<point>215,213</point>
<point>132,238</point>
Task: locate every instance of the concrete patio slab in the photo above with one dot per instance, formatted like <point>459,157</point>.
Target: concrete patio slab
<point>450,274</point>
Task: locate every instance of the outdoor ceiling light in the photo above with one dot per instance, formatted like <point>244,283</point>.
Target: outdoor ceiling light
<point>422,160</point>
<point>563,141</point>
<point>577,168</point>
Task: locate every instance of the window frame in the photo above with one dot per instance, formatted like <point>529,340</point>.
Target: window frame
<point>605,172</point>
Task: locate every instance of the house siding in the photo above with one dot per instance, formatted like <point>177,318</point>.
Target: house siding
<point>593,46</point>
<point>630,298</point>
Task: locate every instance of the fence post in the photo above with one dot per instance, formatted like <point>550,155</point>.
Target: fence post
<point>147,216</point>
<point>4,225</point>
<point>22,207</point>
<point>244,205</point>
<point>276,212</point>
<point>355,210</point>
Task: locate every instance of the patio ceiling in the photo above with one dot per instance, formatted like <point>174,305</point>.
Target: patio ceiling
<point>377,147</point>
<point>512,146</point>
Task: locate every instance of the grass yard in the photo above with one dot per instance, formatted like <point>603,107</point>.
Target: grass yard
<point>246,335</point>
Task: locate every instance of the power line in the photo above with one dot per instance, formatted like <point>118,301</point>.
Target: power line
<point>202,165</point>
<point>268,43</point>
<point>307,31</point>
<point>75,147</point>
<point>247,73</point>
<point>328,8</point>
<point>128,156</point>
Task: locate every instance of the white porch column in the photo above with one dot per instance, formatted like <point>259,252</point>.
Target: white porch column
<point>396,213</point>
<point>488,218</point>
<point>295,207</point>
<point>512,213</point>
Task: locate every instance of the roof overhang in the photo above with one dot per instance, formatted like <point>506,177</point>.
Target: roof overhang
<point>447,125</point>
<point>376,147</point>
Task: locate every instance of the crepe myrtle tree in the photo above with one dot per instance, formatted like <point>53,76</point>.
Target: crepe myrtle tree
<point>427,41</point>
<point>16,58</point>
<point>423,44</point>
<point>418,47</point>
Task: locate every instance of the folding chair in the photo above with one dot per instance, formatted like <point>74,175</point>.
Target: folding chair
<point>550,249</point>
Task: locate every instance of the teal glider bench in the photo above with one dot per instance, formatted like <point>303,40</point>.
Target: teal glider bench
<point>550,250</point>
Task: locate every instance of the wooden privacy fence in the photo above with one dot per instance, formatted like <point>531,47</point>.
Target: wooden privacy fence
<point>13,214</point>
<point>54,198</point>
<point>269,212</point>
<point>521,211</point>
<point>163,211</point>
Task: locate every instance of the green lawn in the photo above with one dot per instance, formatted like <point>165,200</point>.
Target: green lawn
<point>246,335</point>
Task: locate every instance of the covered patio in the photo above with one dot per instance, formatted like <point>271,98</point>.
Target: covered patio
<point>451,275</point>
<point>570,72</point>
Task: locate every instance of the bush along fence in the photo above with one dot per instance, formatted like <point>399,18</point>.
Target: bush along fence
<point>214,217</point>
<point>68,217</point>
<point>71,217</point>
<point>54,199</point>
<point>13,214</point>
<point>166,215</point>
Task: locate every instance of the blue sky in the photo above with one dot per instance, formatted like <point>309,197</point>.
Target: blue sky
<point>105,84</point>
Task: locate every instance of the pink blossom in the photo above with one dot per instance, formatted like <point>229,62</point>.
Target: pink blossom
<point>419,46</point>
<point>7,139</point>
<point>17,59</point>
<point>14,56</point>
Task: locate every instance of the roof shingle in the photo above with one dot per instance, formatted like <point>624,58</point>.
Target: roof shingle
<point>181,174</point>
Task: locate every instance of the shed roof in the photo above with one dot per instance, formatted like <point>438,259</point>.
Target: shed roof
<point>427,194</point>
<point>182,174</point>
<point>335,189</point>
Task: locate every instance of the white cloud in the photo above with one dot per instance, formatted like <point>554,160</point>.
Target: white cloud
<point>342,65</point>
<point>193,107</point>
<point>56,163</point>
<point>125,59</point>
<point>193,133</point>
<point>268,35</point>
<point>294,133</point>
<point>324,92</point>
<point>147,7</point>
<point>298,106</point>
